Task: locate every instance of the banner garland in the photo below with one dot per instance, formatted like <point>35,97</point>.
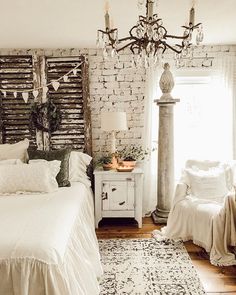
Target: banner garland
<point>55,84</point>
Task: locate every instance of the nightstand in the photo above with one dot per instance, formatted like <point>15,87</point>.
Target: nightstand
<point>118,194</point>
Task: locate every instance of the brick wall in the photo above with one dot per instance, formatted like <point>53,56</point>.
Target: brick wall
<point>118,87</point>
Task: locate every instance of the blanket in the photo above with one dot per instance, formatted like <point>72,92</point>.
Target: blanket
<point>209,224</point>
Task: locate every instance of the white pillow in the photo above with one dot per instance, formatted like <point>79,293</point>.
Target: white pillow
<point>78,167</point>
<point>210,184</point>
<point>15,151</point>
<point>37,177</point>
<point>11,162</point>
<point>52,165</point>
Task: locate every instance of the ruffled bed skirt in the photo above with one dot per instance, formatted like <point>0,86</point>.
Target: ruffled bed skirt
<point>77,275</point>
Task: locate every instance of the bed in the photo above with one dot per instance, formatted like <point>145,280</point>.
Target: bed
<point>48,244</point>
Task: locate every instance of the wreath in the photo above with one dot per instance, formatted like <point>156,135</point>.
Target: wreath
<point>45,116</point>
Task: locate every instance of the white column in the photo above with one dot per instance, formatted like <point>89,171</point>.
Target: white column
<point>165,184</point>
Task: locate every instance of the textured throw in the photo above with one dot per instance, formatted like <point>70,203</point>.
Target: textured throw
<point>147,266</point>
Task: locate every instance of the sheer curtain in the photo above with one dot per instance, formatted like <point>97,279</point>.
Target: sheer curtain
<point>203,120</point>
<point>150,140</point>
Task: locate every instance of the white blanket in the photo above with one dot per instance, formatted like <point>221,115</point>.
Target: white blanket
<point>209,224</point>
<point>48,244</point>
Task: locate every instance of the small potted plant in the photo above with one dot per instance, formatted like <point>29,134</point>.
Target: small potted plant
<point>105,161</point>
<point>130,154</point>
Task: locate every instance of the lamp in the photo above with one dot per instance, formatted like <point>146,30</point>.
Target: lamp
<point>112,122</point>
<point>149,38</point>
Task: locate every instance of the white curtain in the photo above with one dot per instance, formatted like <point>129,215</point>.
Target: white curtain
<point>227,72</point>
<point>150,140</point>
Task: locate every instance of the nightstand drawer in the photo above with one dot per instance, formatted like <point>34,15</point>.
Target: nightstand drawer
<point>118,195</point>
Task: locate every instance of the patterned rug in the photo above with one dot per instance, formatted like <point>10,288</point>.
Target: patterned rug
<point>147,266</point>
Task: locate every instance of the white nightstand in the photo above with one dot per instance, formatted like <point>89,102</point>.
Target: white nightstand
<point>118,194</point>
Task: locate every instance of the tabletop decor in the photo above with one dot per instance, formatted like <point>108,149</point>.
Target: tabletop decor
<point>130,154</point>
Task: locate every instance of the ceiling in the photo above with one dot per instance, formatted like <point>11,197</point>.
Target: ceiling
<point>73,23</point>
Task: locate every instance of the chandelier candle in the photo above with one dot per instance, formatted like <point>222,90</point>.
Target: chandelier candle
<point>192,17</point>
<point>148,39</point>
<point>107,17</point>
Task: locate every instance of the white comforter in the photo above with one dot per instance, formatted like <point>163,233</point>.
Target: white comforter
<point>48,244</point>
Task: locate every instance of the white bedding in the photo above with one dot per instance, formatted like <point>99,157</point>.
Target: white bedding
<point>48,244</point>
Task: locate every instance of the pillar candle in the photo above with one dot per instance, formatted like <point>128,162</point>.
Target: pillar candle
<point>107,21</point>
<point>192,16</point>
<point>107,16</point>
<point>150,9</point>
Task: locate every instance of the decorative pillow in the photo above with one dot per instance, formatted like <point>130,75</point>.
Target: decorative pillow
<point>14,151</point>
<point>78,167</point>
<point>209,184</point>
<point>52,165</point>
<point>60,155</point>
<point>11,162</point>
<point>37,177</point>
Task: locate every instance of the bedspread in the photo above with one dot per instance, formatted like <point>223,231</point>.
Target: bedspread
<point>48,244</point>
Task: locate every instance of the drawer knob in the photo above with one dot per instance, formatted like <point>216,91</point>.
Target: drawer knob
<point>129,179</point>
<point>122,203</point>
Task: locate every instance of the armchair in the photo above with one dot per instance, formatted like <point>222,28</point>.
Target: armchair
<point>204,210</point>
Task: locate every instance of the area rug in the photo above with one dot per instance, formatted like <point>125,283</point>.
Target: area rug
<point>147,266</point>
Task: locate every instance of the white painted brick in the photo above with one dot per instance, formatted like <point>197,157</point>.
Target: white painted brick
<point>117,86</point>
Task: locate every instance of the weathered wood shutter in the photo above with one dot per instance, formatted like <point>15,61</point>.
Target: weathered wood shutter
<point>72,99</point>
<point>16,73</point>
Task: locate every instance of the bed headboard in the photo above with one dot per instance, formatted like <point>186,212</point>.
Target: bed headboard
<point>25,72</point>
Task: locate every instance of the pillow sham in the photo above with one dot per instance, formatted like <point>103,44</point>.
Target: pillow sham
<point>52,165</point>
<point>209,184</point>
<point>78,167</point>
<point>37,177</point>
<point>60,155</point>
<point>14,151</point>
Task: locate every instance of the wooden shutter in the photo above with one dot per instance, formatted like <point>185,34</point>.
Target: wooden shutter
<point>72,99</point>
<point>15,74</point>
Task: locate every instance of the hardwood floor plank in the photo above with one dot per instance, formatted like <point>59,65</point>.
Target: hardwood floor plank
<point>216,280</point>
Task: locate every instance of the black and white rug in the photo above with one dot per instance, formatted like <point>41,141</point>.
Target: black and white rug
<point>147,266</point>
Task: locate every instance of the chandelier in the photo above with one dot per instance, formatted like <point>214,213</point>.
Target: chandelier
<point>149,39</point>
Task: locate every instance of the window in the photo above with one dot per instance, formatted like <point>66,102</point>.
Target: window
<point>203,120</point>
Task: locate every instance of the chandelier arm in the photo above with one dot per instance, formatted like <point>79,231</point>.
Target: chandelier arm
<point>126,38</point>
<point>177,37</point>
<point>172,48</point>
<point>192,27</point>
<point>128,44</point>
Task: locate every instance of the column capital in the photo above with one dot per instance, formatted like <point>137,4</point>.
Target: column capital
<point>161,102</point>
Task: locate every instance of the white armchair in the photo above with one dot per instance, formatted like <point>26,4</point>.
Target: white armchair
<point>204,210</point>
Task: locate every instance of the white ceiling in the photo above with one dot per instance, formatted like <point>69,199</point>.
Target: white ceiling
<point>73,23</point>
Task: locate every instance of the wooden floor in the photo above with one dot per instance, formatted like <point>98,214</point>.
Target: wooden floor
<point>216,280</point>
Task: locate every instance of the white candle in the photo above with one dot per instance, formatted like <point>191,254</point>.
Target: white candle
<point>107,17</point>
<point>150,9</point>
<point>192,16</point>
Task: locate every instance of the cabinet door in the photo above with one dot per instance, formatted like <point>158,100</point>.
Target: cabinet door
<point>118,195</point>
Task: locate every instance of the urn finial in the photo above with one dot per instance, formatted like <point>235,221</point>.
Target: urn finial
<point>166,82</point>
